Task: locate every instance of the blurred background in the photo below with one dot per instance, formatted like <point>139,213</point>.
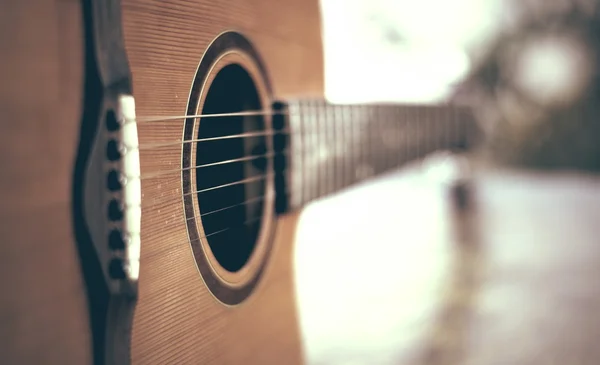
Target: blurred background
<point>404,50</point>
<point>376,264</point>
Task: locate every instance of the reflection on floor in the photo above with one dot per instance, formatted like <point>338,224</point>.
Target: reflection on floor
<point>390,273</point>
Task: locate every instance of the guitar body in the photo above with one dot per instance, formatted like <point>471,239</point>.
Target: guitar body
<point>178,320</point>
<point>43,310</point>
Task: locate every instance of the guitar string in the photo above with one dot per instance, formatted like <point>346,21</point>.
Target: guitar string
<point>150,146</point>
<point>350,108</point>
<point>271,193</point>
<point>248,158</point>
<point>251,157</point>
<point>250,220</point>
<point>245,158</point>
<point>167,118</point>
<point>402,151</point>
<point>409,132</point>
<point>143,120</point>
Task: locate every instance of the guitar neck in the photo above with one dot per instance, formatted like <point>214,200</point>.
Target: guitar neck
<point>325,147</point>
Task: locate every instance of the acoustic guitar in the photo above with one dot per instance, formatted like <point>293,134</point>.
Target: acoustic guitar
<point>155,155</point>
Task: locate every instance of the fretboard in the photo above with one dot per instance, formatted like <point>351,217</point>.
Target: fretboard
<point>329,147</point>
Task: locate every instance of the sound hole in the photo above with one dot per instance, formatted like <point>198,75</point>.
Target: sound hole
<point>230,172</point>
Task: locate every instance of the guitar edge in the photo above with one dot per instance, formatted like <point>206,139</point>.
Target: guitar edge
<point>43,310</point>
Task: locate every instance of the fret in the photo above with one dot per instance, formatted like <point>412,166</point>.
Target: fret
<point>400,117</point>
<point>395,119</point>
<point>450,132</point>
<point>368,157</point>
<point>358,142</point>
<point>363,141</point>
<point>427,131</point>
<point>377,147</point>
<point>297,157</point>
<point>428,137</point>
<point>355,144</point>
<point>446,137</point>
<point>330,156</point>
<point>417,132</point>
<point>304,117</point>
<point>440,125</point>
<point>317,149</point>
<point>314,172</point>
<point>319,145</point>
<point>325,155</point>
<point>410,134</point>
<point>422,131</point>
<point>349,153</point>
<point>333,146</point>
<point>386,138</point>
<point>456,133</point>
<point>339,140</point>
<point>444,125</point>
<point>390,137</point>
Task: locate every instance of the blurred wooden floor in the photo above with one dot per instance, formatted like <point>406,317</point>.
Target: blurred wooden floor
<point>387,274</point>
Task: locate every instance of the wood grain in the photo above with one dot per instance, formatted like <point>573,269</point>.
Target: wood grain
<point>177,319</point>
<point>43,311</point>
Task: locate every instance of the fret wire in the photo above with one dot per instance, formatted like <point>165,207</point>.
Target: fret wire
<point>361,147</point>
<point>419,131</point>
<point>327,162</point>
<point>372,136</point>
<point>426,135</point>
<point>369,130</point>
<point>338,141</point>
<point>323,165</point>
<point>376,140</point>
<point>309,173</point>
<point>380,132</point>
<point>389,130</point>
<point>335,132</point>
<point>417,134</point>
<point>399,132</point>
<point>375,145</point>
<point>317,166</point>
<point>325,141</point>
<point>331,148</point>
<point>310,139</point>
<point>384,137</point>
<point>339,124</point>
<point>339,127</point>
<point>298,162</point>
<point>348,129</point>
<point>408,135</point>
<point>356,150</point>
<point>312,171</point>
